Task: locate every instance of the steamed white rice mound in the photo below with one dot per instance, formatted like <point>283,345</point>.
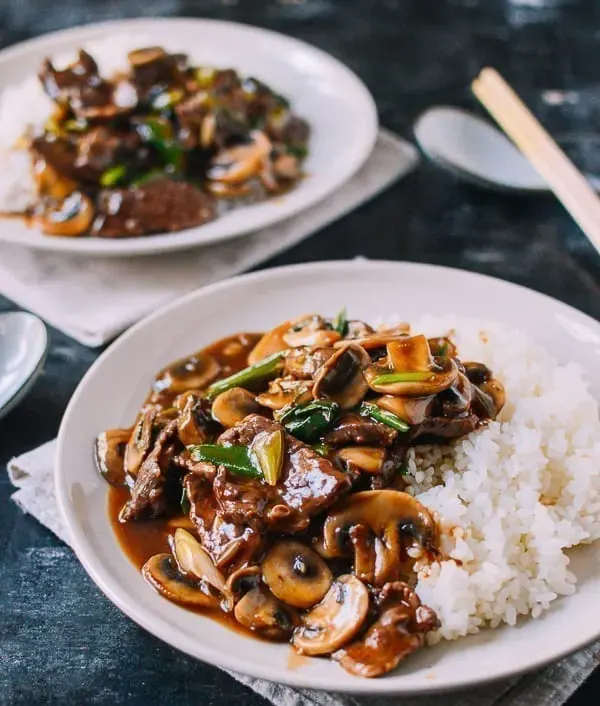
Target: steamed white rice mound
<point>514,496</point>
<point>25,108</point>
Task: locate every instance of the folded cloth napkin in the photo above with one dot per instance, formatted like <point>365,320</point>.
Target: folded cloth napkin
<point>32,473</point>
<point>94,299</point>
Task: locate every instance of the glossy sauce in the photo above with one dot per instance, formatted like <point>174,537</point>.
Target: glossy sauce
<point>142,539</point>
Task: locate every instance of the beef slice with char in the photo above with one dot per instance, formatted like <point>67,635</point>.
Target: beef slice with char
<point>231,545</point>
<point>308,485</point>
<point>161,205</point>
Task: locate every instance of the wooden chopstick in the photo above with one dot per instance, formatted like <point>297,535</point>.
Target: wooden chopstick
<point>563,177</point>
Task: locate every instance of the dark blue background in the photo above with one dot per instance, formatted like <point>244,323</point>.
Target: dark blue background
<point>61,641</point>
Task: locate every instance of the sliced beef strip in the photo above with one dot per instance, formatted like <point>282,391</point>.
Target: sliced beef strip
<point>436,428</point>
<point>101,148</point>
<point>79,85</point>
<point>158,206</point>
<point>308,483</point>
<point>152,493</point>
<point>352,429</point>
<point>231,545</point>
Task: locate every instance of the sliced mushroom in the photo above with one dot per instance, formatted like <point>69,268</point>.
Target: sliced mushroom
<point>243,580</point>
<point>375,526</point>
<point>495,390</point>
<point>303,363</point>
<point>261,612</point>
<point>417,373</point>
<point>193,373</point>
<point>335,620</point>
<point>442,346</point>
<point>368,458</point>
<point>71,217</point>
<point>371,340</point>
<point>192,425</point>
<point>145,56</point>
<point>284,391</point>
<point>399,630</point>
<point>233,405</point>
<point>50,182</point>
<point>110,455</point>
<point>341,378</point>
<point>413,410</point>
<point>271,342</point>
<point>161,572</point>
<point>140,442</point>
<point>286,166</point>
<point>478,373</point>
<point>296,574</point>
<point>235,165</point>
<point>194,560</point>
<point>312,331</point>
<point>456,400</point>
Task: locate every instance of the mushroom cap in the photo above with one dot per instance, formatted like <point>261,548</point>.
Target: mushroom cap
<point>162,573</point>
<point>312,331</point>
<point>73,216</point>
<point>296,574</point>
<point>400,629</point>
<point>271,342</point>
<point>192,425</point>
<point>341,377</point>
<point>192,373</point>
<point>193,560</point>
<point>140,442</point>
<point>335,620</point>
<point>368,458</point>
<point>374,525</point>
<point>412,410</point>
<point>284,391</point>
<point>234,165</point>
<point>261,612</point>
<point>411,356</point>
<point>233,405</point>
<point>110,454</point>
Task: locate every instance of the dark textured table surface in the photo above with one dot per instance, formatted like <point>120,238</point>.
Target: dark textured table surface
<point>61,641</point>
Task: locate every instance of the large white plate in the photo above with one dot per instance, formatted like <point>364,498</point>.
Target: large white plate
<point>335,102</point>
<point>113,389</point>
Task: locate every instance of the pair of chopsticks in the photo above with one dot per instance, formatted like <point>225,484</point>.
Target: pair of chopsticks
<point>563,177</point>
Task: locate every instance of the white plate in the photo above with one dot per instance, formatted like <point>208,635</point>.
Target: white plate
<point>339,108</point>
<point>115,386</point>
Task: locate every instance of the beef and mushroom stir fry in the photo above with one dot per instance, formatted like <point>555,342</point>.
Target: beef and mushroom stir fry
<point>164,146</point>
<point>273,466</point>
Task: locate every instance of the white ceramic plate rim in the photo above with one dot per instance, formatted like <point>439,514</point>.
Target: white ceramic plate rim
<point>257,217</point>
<point>160,627</point>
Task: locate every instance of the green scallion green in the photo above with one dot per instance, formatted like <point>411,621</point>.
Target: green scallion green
<point>368,409</point>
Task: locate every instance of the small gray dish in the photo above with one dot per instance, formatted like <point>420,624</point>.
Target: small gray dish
<point>23,347</point>
<point>475,151</point>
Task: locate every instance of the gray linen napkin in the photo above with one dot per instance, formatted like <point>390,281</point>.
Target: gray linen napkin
<point>94,299</point>
<point>32,473</point>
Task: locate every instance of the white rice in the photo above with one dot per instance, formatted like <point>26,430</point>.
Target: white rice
<point>24,109</point>
<point>514,496</point>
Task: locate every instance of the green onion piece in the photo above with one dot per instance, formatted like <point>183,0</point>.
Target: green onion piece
<point>185,501</point>
<point>322,449</point>
<point>113,175</point>
<point>390,378</point>
<point>76,125</point>
<point>159,133</point>
<point>235,458</point>
<point>167,99</point>
<point>265,368</point>
<point>367,409</point>
<point>298,151</point>
<point>205,75</point>
<point>307,422</point>
<point>267,449</point>
<point>341,323</point>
